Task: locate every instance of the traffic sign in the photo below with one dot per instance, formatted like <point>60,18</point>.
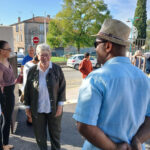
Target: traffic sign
<point>35,40</point>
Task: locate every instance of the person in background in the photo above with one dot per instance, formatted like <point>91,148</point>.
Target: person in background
<point>44,96</point>
<point>85,66</point>
<point>147,68</point>
<point>113,110</point>
<point>28,57</point>
<point>26,69</point>
<point>7,85</point>
<point>137,61</point>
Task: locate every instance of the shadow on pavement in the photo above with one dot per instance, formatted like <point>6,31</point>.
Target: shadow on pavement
<point>23,138</point>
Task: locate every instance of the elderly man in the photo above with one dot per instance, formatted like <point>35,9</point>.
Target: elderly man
<point>113,110</point>
<point>31,52</point>
<point>44,96</point>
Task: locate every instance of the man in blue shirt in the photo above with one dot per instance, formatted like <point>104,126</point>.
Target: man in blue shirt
<point>28,57</point>
<point>113,110</point>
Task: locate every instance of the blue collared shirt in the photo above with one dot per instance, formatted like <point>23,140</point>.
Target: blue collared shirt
<point>116,99</point>
<point>26,59</point>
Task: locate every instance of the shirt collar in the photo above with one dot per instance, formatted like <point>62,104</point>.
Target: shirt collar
<point>50,66</point>
<point>118,59</point>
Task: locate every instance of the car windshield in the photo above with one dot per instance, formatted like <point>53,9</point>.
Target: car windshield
<point>91,58</point>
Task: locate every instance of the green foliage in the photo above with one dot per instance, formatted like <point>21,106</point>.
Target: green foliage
<point>58,59</point>
<point>78,20</point>
<point>140,24</point>
<point>148,33</point>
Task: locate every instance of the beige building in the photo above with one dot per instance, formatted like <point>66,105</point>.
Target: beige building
<point>6,33</point>
<point>24,31</point>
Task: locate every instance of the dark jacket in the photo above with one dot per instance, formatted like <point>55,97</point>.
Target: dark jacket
<point>56,85</point>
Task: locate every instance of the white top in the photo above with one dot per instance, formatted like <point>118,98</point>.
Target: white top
<point>26,69</point>
<point>44,105</point>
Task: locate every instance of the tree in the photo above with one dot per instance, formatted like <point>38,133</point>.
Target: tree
<point>148,33</point>
<point>141,13</point>
<point>78,20</point>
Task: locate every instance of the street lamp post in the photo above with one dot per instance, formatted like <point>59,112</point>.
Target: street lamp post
<point>132,21</point>
<point>45,27</point>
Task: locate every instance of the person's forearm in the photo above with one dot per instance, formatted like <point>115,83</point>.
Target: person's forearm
<point>21,70</point>
<point>96,136</point>
<point>143,133</point>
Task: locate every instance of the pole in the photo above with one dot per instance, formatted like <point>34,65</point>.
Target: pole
<point>132,21</point>
<point>45,27</point>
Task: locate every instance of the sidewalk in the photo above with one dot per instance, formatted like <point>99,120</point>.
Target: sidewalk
<point>72,95</point>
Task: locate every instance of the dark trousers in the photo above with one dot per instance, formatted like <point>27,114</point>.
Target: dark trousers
<point>7,109</point>
<point>40,130</point>
<point>1,144</point>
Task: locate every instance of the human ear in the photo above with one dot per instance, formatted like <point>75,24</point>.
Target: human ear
<point>108,47</point>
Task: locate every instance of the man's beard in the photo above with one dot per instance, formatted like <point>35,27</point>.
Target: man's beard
<point>99,60</point>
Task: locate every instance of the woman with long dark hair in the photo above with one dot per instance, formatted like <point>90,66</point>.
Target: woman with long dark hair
<point>7,84</point>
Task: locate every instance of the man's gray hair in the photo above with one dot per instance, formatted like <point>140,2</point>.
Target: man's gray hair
<point>30,46</point>
<point>42,48</point>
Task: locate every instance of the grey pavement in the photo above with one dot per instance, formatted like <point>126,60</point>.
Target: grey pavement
<point>23,138</point>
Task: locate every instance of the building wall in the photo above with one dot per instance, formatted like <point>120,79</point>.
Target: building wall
<point>24,33</point>
<point>19,38</point>
<point>32,30</point>
<point>6,33</point>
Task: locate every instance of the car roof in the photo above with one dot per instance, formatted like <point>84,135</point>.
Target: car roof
<point>78,55</point>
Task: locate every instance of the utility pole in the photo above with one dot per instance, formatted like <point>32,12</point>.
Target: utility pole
<point>132,21</point>
<point>45,27</point>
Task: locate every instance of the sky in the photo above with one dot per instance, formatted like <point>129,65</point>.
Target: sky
<point>10,10</point>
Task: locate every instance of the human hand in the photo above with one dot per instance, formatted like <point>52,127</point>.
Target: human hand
<point>59,111</point>
<point>136,144</point>
<point>28,112</point>
<point>123,146</point>
<point>2,89</point>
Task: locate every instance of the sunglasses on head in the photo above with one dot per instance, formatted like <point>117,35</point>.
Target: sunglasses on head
<point>96,43</point>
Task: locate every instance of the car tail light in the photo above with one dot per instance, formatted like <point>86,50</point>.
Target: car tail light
<point>73,60</point>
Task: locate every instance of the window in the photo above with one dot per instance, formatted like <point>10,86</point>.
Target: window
<point>20,27</point>
<point>80,57</point>
<point>41,27</point>
<point>41,38</point>
<point>21,38</point>
<point>17,28</point>
<point>91,58</point>
<point>17,38</point>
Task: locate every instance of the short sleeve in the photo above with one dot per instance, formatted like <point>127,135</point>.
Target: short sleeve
<point>148,106</point>
<point>24,61</point>
<point>89,102</point>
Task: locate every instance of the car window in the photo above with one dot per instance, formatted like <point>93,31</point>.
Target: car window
<point>20,56</point>
<point>80,57</point>
<point>91,58</point>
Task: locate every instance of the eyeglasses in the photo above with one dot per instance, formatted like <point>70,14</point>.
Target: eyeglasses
<point>44,55</point>
<point>7,49</point>
<point>97,43</point>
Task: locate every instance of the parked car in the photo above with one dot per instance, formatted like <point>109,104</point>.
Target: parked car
<point>75,60</point>
<point>93,54</point>
<point>20,57</point>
